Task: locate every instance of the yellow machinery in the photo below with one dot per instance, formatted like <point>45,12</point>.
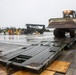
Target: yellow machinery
<point>65,24</point>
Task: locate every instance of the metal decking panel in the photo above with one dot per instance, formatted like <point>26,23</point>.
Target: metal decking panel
<point>35,57</point>
<point>6,48</point>
<point>40,58</point>
<point>15,53</point>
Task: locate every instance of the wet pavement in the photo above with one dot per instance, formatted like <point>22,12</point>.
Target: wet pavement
<point>26,39</point>
<point>9,43</point>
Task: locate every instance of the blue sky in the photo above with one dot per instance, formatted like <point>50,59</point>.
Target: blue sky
<point>17,13</point>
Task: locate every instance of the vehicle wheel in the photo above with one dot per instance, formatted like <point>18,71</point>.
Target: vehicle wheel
<point>25,32</point>
<point>72,33</point>
<point>56,33</point>
<point>62,34</point>
<point>41,32</point>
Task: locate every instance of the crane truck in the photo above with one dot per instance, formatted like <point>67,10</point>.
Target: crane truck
<point>64,25</point>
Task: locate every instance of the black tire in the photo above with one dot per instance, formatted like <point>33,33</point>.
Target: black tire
<point>41,32</point>
<point>62,34</point>
<point>56,33</point>
<point>72,33</point>
<point>25,32</point>
<point>59,33</point>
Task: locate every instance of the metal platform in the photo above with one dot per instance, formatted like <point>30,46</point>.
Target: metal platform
<point>37,57</point>
<point>8,47</point>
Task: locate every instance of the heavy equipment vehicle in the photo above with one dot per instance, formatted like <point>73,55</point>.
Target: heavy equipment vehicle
<point>32,28</point>
<point>64,25</point>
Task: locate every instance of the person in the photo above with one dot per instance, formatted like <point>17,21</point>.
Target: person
<point>10,32</point>
<point>4,32</point>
